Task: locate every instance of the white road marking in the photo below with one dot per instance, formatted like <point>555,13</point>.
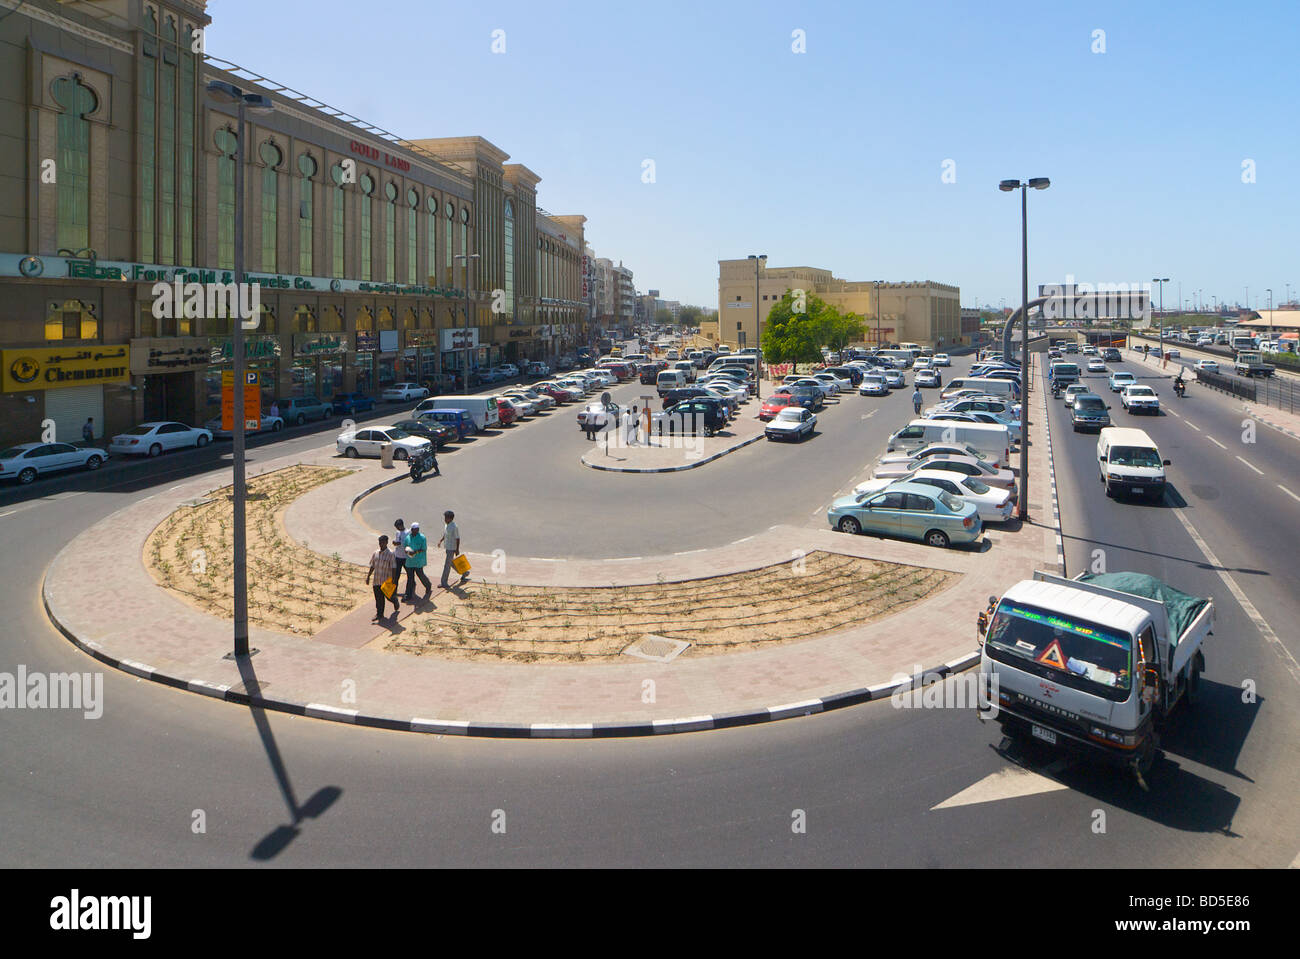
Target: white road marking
<point>686,552</point>
<point>1288,492</point>
<point>1192,425</point>
<point>1255,468</point>
<point>739,541</point>
<point>1172,413</point>
<point>1242,599</point>
<point>1216,442</point>
<point>10,513</point>
<point>1014,782</point>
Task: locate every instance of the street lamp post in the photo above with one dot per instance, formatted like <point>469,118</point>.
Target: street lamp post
<point>464,367</point>
<point>758,328</point>
<point>1270,315</point>
<point>1006,186</point>
<point>227,93</point>
<point>878,282</point>
<point>1162,283</point>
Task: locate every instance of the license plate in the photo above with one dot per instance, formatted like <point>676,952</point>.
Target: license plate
<point>1046,735</point>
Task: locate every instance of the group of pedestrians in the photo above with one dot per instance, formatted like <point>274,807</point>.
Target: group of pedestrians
<point>410,551</point>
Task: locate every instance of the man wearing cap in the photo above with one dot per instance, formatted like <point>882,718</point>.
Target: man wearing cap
<point>450,542</point>
<point>417,556</point>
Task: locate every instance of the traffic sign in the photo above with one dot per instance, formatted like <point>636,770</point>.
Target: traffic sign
<point>252,401</point>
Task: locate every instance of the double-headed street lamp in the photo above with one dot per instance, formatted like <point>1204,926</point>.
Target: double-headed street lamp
<point>1006,186</point>
<point>758,259</point>
<point>226,93</point>
<point>1162,283</point>
<point>464,368</point>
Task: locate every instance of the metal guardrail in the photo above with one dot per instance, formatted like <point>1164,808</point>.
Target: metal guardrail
<point>1232,385</point>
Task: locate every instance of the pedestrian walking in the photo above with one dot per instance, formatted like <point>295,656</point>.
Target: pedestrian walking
<point>88,431</point>
<point>916,400</point>
<point>275,408</point>
<point>381,568</point>
<point>399,550</point>
<point>417,555</point>
<point>450,542</point>
<point>645,423</point>
<point>633,420</point>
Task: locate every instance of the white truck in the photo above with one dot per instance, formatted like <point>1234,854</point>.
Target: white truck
<point>1251,363</point>
<point>1094,664</point>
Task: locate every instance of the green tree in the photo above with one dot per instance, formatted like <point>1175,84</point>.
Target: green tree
<point>790,337</point>
<point>664,317</point>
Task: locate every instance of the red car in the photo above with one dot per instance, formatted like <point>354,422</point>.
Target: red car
<point>505,413</point>
<point>620,370</point>
<point>554,392</point>
<point>774,404</point>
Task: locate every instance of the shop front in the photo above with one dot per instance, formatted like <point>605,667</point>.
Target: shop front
<point>63,385</point>
<point>420,360</point>
<point>318,364</point>
<point>460,349</point>
<point>363,362</point>
<point>168,371</point>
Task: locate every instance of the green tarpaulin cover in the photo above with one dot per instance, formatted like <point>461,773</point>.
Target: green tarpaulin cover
<point>1181,608</point>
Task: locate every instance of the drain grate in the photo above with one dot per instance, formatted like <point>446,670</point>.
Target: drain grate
<point>657,649</point>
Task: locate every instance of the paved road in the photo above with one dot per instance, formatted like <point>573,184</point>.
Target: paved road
<point>123,789</point>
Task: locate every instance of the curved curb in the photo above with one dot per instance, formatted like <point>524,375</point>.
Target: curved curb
<point>674,469</point>
<point>453,727</point>
<point>376,488</point>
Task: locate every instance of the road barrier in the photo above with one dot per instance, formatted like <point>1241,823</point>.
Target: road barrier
<point>1232,385</point>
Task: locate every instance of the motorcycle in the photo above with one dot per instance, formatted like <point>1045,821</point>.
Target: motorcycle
<point>421,463</point>
<point>1180,388</point>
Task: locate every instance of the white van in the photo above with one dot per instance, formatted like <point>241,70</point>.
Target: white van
<point>992,440</point>
<point>992,386</point>
<point>1129,460</point>
<point>669,380</point>
<point>482,409</point>
<point>748,360</point>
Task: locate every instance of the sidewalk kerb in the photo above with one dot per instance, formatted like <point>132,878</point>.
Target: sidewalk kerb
<point>673,469</point>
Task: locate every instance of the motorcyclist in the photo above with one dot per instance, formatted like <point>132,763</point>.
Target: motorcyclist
<point>1179,385</point>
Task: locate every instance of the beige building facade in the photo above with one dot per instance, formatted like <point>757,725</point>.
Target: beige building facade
<point>922,312</point>
<point>119,172</point>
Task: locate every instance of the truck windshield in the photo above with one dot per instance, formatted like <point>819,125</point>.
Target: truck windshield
<point>1073,652</point>
<point>1134,456</point>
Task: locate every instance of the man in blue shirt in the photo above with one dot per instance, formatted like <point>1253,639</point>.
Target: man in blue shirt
<point>417,556</point>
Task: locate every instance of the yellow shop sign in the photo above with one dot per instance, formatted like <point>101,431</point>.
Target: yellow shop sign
<point>47,368</point>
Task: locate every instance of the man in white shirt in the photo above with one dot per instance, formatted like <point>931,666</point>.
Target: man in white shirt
<point>450,542</point>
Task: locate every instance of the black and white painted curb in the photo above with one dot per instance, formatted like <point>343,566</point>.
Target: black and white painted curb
<point>456,727</point>
<point>1273,426</point>
<point>1051,475</point>
<point>675,469</point>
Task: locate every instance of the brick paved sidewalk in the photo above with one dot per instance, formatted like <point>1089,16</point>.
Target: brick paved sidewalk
<point>99,593</point>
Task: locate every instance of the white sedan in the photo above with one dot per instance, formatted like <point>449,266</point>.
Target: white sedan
<point>941,359</point>
<point>268,422</point>
<point>1096,366</point>
<point>155,438</point>
<point>401,392</point>
<point>356,443</point>
<point>1140,399</point>
<point>839,382</point>
<point>725,387</point>
<point>992,502</point>
<point>1206,366</point>
<point>24,461</point>
<point>792,423</point>
<point>521,404</point>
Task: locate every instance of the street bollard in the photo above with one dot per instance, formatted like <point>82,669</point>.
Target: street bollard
<point>386,456</point>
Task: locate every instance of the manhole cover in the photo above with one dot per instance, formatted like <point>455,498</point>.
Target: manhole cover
<point>658,649</point>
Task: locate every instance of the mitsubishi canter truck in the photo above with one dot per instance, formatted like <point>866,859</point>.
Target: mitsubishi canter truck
<point>1094,664</point>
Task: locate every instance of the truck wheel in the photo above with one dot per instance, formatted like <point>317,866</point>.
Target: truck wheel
<point>1192,694</point>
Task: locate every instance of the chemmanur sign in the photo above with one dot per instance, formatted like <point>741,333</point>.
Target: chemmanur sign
<point>43,368</point>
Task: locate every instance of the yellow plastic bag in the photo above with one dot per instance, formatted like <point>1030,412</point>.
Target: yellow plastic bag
<point>461,565</point>
<point>388,587</point>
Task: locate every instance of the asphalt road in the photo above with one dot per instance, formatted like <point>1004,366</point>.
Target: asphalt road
<point>124,789</point>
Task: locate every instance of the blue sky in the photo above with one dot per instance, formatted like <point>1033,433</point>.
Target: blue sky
<point>834,157</point>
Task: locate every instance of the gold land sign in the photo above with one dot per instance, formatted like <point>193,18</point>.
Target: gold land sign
<point>47,368</point>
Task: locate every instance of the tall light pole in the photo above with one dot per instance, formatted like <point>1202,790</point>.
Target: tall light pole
<point>878,285</point>
<point>464,367</point>
<point>1162,283</point>
<point>1270,315</point>
<point>758,327</point>
<point>1006,186</point>
<point>226,93</point>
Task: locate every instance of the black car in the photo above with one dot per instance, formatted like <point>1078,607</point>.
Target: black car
<point>700,415</point>
<point>430,429</point>
<point>649,372</point>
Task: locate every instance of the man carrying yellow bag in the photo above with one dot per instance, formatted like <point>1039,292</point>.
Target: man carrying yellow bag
<point>450,542</point>
<point>382,565</point>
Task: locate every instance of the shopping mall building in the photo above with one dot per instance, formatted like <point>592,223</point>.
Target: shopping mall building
<point>921,312</point>
<point>117,171</point>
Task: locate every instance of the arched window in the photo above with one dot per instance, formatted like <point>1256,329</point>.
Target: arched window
<point>432,203</point>
<point>450,210</point>
<point>509,232</point>
<point>331,320</point>
<point>228,143</point>
<point>365,319</point>
<point>367,198</point>
<point>272,157</point>
<point>340,199</point>
<point>412,218</point>
<point>386,319</point>
<point>304,319</point>
<point>307,168</point>
<point>390,233</point>
<point>77,101</point>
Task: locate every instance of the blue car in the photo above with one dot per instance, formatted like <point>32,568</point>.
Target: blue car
<point>908,511</point>
<point>349,404</point>
<point>458,419</point>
